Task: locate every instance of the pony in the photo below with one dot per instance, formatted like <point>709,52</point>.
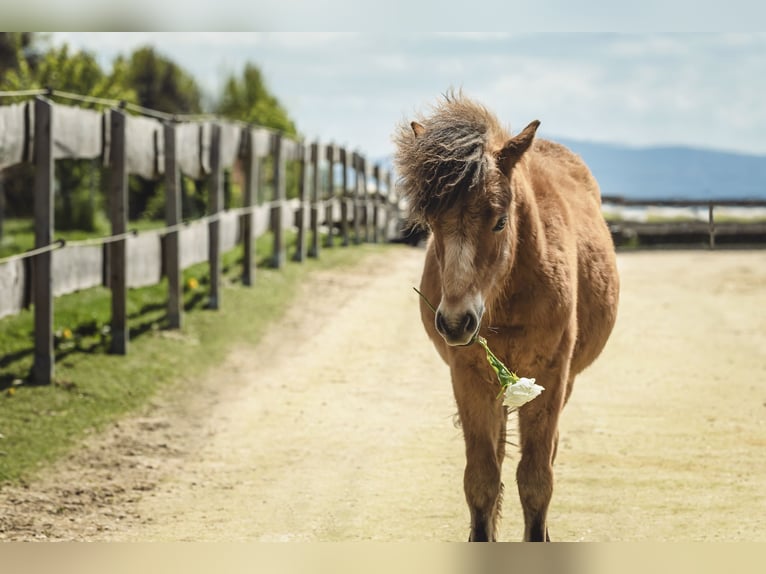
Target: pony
<point>519,253</point>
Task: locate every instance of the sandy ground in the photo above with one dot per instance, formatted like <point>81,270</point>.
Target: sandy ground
<point>339,426</point>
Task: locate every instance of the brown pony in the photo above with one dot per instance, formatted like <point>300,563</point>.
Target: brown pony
<point>520,254</point>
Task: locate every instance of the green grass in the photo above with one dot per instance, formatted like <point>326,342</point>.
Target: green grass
<point>38,424</point>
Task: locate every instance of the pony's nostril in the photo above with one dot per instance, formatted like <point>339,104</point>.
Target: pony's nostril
<point>469,323</point>
<point>440,325</point>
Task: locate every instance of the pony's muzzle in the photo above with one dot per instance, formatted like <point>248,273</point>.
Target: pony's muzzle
<point>458,328</point>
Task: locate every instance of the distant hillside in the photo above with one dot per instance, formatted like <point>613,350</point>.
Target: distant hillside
<point>673,172</point>
<point>670,172</point>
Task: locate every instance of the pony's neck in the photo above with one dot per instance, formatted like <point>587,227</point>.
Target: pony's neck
<point>529,240</point>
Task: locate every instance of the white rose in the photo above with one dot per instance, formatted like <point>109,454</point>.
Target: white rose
<point>521,392</point>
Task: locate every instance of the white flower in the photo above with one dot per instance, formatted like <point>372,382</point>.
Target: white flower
<point>521,392</point>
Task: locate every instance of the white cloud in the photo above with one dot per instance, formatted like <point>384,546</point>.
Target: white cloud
<point>696,89</point>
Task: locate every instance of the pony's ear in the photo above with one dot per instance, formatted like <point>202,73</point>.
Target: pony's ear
<point>515,147</point>
<point>417,128</point>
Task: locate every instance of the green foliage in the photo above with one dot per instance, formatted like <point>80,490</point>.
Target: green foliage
<point>79,200</point>
<point>146,78</point>
<point>77,72</point>
<point>248,99</point>
<point>159,83</point>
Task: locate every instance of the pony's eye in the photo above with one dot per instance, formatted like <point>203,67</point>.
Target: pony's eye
<point>500,225</point>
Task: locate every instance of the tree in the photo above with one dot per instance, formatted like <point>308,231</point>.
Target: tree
<point>248,99</point>
<point>77,203</point>
<point>160,84</point>
<point>14,47</point>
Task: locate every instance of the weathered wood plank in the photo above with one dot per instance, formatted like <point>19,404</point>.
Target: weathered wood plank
<point>366,200</point>
<point>193,149</point>
<point>279,251</point>
<point>12,287</point>
<point>173,217</point>
<point>252,166</point>
<point>262,141</point>
<point>392,210</point>
<point>617,200</point>
<point>194,244</point>
<point>345,192</point>
<point>231,143</point>
<point>316,194</point>
<point>357,162</point>
<point>77,267</point>
<point>43,367</point>
<point>261,220</point>
<point>214,227</point>
<point>331,155</point>
<point>78,133</point>
<point>230,230</point>
<point>12,134</point>
<point>144,147</point>
<point>376,217</point>
<point>144,259</point>
<point>303,209</point>
<point>118,201</point>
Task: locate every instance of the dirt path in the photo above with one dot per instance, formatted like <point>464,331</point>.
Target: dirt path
<point>339,426</point>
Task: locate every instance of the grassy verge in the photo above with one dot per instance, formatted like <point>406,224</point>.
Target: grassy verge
<point>92,388</point>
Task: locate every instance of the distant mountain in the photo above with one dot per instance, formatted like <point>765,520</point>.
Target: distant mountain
<point>673,172</point>
<point>670,172</point>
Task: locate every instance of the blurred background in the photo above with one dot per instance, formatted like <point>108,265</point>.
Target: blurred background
<point>656,116</point>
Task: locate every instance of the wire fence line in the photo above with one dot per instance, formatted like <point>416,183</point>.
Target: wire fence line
<point>21,93</point>
<point>114,103</point>
<point>164,230</point>
<point>357,209</point>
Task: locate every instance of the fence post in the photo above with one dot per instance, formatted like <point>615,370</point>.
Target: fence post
<point>118,264</point>
<point>376,205</point>
<point>2,205</point>
<point>356,163</point>
<point>711,226</point>
<point>252,179</point>
<point>278,257</point>
<point>303,190</point>
<point>214,227</point>
<point>315,195</point>
<point>330,195</point>
<point>42,369</point>
<point>392,211</point>
<point>173,217</point>
<point>366,200</point>
<point>344,198</point>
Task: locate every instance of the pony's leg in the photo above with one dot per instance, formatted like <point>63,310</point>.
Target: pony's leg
<point>500,458</point>
<point>483,420</point>
<point>538,425</point>
<point>482,485</point>
<point>570,384</point>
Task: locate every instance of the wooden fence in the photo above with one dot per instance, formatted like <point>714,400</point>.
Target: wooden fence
<point>691,231</point>
<point>362,206</point>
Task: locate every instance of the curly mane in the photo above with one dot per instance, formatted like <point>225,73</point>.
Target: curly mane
<point>450,158</point>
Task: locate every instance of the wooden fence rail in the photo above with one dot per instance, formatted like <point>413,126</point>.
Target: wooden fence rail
<point>654,232</point>
<point>167,148</point>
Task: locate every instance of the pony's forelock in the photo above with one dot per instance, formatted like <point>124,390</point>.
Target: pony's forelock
<point>449,159</point>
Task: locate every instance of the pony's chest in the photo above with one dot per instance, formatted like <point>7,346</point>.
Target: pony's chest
<point>535,309</point>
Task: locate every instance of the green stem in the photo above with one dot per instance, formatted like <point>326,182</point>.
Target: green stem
<point>504,375</point>
<point>426,300</point>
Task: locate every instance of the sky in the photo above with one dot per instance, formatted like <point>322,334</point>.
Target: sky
<point>705,90</point>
